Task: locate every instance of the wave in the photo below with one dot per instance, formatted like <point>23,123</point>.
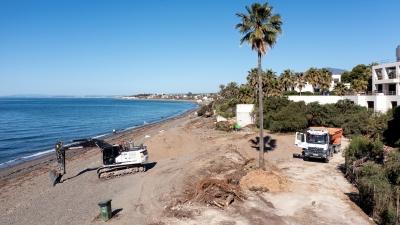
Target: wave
<point>25,158</point>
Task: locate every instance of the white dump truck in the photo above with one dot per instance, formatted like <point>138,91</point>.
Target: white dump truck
<point>319,142</point>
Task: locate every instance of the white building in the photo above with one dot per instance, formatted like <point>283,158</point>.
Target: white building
<point>335,79</point>
<point>385,89</point>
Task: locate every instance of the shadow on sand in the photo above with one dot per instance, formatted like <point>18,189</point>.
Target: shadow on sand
<point>115,212</point>
<point>269,144</point>
<point>150,166</point>
<point>80,173</point>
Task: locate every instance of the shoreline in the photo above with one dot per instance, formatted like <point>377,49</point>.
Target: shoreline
<point>20,169</point>
<point>50,150</point>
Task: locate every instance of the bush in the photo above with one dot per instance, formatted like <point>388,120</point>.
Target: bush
<point>222,126</point>
<point>290,118</point>
<point>202,110</point>
<point>360,147</point>
<point>307,93</point>
<point>293,92</point>
<point>228,108</point>
<point>392,167</point>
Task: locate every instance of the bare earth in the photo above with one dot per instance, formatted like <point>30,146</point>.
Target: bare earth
<point>183,151</point>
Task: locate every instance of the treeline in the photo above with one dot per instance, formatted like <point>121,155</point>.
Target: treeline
<point>360,79</point>
<point>283,115</point>
<point>374,169</point>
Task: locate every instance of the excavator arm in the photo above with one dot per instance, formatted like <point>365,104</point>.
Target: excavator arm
<point>55,175</point>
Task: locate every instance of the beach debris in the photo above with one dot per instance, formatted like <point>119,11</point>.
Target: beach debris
<point>147,136</point>
<point>161,131</point>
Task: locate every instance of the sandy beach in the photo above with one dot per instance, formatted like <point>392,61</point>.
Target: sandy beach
<point>182,152</point>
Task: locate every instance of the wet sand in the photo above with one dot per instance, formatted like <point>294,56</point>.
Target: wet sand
<point>137,134</point>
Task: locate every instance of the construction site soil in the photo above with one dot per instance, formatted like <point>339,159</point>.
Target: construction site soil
<point>196,175</point>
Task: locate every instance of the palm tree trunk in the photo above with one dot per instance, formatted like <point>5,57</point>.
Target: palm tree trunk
<point>260,101</point>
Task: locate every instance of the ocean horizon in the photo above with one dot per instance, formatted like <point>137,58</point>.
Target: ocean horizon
<point>29,127</point>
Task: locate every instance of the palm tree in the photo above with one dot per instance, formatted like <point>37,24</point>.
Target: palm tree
<point>275,89</point>
<point>299,80</point>
<point>245,95</point>
<point>340,89</point>
<point>326,79</point>
<point>269,82</point>
<point>364,85</point>
<point>355,86</point>
<point>232,89</point>
<point>261,29</point>
<point>222,91</point>
<point>286,79</point>
<point>252,81</point>
<point>313,77</point>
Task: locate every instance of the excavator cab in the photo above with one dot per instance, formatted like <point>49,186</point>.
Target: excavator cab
<point>109,154</point>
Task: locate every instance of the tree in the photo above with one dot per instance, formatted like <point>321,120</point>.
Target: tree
<point>261,29</point>
<point>270,84</point>
<point>326,79</point>
<point>231,90</point>
<point>222,91</point>
<point>313,77</point>
<point>355,86</point>
<point>340,89</point>
<point>252,81</point>
<point>299,81</point>
<point>286,79</point>
<point>346,77</point>
<point>245,95</point>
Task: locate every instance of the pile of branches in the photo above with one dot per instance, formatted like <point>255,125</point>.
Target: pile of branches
<point>216,192</point>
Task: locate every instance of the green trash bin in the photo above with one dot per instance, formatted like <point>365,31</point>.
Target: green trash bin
<point>105,209</point>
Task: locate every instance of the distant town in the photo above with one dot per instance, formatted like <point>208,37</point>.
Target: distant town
<point>188,96</point>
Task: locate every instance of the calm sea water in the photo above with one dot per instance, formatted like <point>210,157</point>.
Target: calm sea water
<point>29,127</point>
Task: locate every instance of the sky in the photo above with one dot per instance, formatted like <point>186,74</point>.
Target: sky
<point>104,47</point>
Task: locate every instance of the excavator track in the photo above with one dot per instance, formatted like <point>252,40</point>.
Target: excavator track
<point>107,173</point>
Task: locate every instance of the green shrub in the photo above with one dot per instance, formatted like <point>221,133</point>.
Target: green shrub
<point>360,147</point>
<point>202,110</point>
<point>383,190</point>
<point>228,108</point>
<point>392,167</point>
<point>307,93</point>
<point>222,126</point>
<point>293,92</point>
<point>290,118</point>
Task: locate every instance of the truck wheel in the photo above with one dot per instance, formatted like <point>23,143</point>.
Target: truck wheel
<point>327,160</point>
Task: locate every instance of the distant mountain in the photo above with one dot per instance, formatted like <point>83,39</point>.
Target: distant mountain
<point>336,71</point>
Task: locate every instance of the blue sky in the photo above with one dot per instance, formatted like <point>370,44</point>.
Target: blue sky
<point>152,46</point>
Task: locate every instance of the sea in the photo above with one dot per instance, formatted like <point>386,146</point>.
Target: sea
<point>30,127</point>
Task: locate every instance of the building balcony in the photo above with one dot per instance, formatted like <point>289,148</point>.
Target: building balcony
<point>378,93</point>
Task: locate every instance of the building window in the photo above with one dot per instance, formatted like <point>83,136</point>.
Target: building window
<point>394,104</point>
<point>335,80</point>
<point>370,104</point>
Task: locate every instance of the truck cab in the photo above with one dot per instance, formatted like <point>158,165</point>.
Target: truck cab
<point>316,143</point>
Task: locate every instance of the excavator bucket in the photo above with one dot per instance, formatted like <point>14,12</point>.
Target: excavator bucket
<point>55,177</point>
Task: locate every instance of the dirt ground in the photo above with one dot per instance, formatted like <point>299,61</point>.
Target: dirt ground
<point>183,152</point>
